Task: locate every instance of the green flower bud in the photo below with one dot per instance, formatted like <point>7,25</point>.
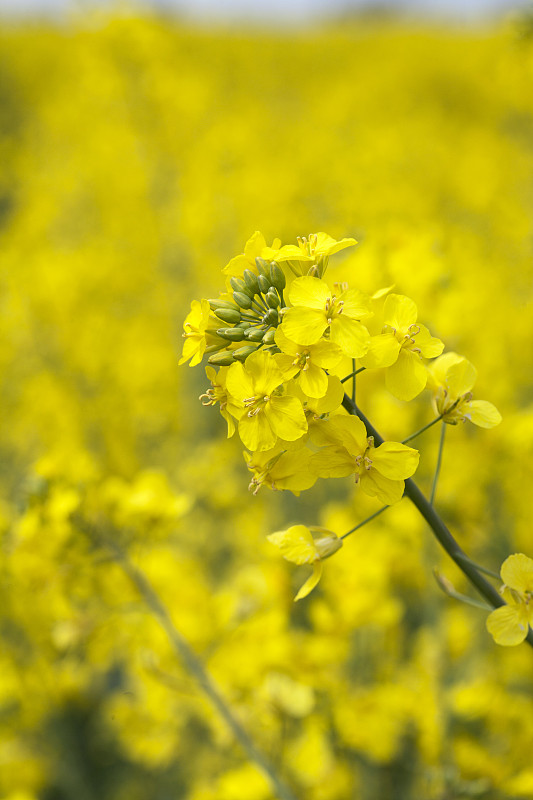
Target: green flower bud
<point>243,352</point>
<point>254,334</point>
<point>239,285</point>
<point>242,300</point>
<point>277,276</point>
<point>268,338</point>
<point>272,298</point>
<point>271,317</point>
<point>251,281</point>
<point>244,324</point>
<point>229,315</point>
<point>264,283</point>
<point>213,348</point>
<point>221,359</point>
<point>232,334</point>
<point>262,266</point>
<point>215,304</point>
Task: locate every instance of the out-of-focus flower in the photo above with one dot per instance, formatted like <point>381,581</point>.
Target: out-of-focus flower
<point>451,378</point>
<point>509,624</point>
<point>303,545</point>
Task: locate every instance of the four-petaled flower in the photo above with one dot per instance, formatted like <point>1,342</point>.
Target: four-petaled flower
<point>380,471</point>
<point>194,332</point>
<point>317,309</point>
<point>509,624</point>
<point>451,377</point>
<point>303,545</point>
<point>229,408</point>
<point>308,361</point>
<point>266,412</point>
<point>400,347</point>
<point>280,469</point>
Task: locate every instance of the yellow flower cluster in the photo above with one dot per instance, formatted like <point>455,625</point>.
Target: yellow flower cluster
<point>281,336</point>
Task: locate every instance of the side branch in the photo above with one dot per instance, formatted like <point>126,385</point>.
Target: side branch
<point>439,529</point>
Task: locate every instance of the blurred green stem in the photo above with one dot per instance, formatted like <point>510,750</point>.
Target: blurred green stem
<point>194,666</point>
<point>438,466</point>
<point>439,529</point>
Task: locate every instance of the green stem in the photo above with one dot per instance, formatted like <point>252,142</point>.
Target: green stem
<point>481,568</point>
<point>364,522</point>
<point>352,374</point>
<point>354,379</point>
<point>425,428</point>
<point>439,462</point>
<point>195,667</point>
<point>439,529</point>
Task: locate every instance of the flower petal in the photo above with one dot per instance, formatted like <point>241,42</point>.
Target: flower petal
<point>255,431</point>
<point>482,413</point>
<point>383,351</point>
<point>332,462</point>
<point>394,460</point>
<point>377,485</point>
<point>296,544</point>
<point>309,292</point>
<point>507,625</point>
<point>311,582</point>
<point>304,325</point>
<point>399,311</point>
<point>407,377</point>
<point>517,572</point>
<point>286,417</point>
<point>314,381</point>
<point>351,336</point>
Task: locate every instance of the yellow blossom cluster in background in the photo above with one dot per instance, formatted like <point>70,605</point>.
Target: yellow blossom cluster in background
<point>138,156</point>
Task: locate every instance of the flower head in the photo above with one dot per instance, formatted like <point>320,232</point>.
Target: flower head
<point>303,545</point>
<point>266,412</point>
<point>280,469</point>
<point>452,377</point>
<point>509,624</point>
<point>380,471</point>
<point>316,309</point>
<point>400,348</point>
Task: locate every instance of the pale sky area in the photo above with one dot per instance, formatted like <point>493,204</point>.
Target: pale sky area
<point>289,10</point>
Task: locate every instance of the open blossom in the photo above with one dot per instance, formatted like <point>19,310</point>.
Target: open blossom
<point>266,412</point>
<point>452,377</point>
<point>400,348</point>
<point>255,247</point>
<point>280,469</point>
<point>312,253</point>
<point>380,471</point>
<point>194,332</point>
<point>316,309</point>
<point>303,545</point>
<point>308,362</point>
<point>509,624</point>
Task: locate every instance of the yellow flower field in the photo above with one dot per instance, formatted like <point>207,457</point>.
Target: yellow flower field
<point>151,647</point>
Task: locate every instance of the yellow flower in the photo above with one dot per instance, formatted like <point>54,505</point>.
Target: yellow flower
<point>266,413</point>
<point>317,309</point>
<point>280,469</point>
<point>309,362</point>
<point>255,247</point>
<point>509,624</point>
<point>311,254</point>
<point>380,471</point>
<point>400,347</point>
<point>451,377</point>
<point>194,332</point>
<point>229,408</point>
<point>303,545</point>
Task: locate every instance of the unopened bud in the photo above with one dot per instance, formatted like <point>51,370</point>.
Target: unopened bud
<point>264,283</point>
<point>238,285</point>
<point>250,280</point>
<point>243,352</point>
<point>232,334</point>
<point>268,338</point>
<point>254,334</point>
<point>229,315</point>
<point>216,304</point>
<point>326,542</point>
<point>221,359</point>
<point>242,300</point>
<point>272,298</point>
<point>262,266</point>
<point>277,277</point>
<point>271,317</point>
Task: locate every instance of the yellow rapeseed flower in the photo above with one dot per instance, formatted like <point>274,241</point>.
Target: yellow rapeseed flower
<point>400,348</point>
<point>509,624</point>
<point>303,545</point>
<point>194,332</point>
<point>308,362</point>
<point>380,471</point>
<point>452,377</point>
<point>316,309</point>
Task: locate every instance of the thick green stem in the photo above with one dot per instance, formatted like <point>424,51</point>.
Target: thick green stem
<point>439,529</point>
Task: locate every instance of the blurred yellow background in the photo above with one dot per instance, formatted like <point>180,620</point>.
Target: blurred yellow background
<point>136,158</point>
